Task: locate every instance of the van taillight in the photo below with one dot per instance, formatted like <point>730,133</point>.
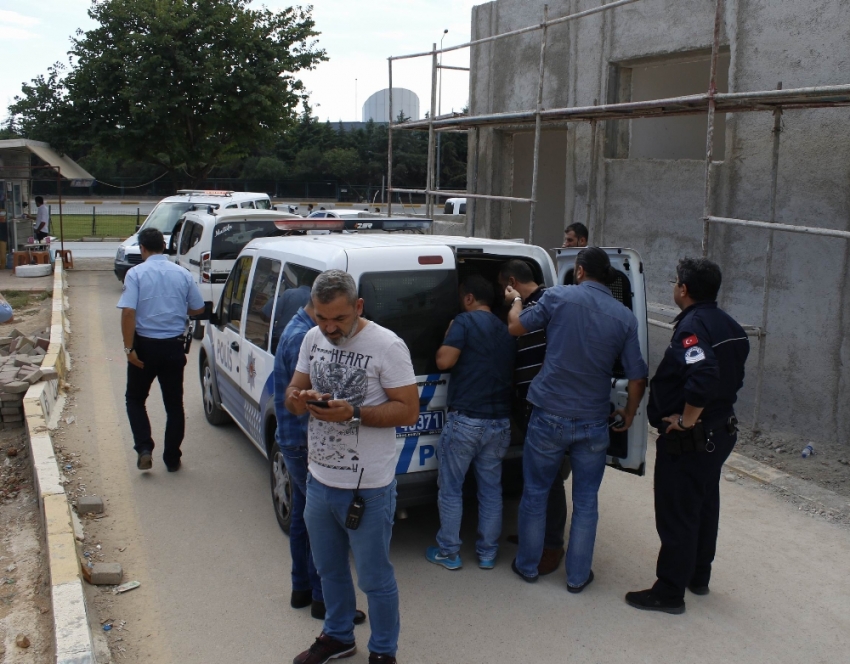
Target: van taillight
<point>206,267</point>
<point>430,260</point>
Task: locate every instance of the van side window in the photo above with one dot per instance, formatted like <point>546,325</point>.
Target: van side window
<point>462,208</point>
<point>247,204</point>
<point>197,232</point>
<point>257,323</point>
<point>264,204</point>
<point>234,292</point>
<point>186,236</point>
<point>294,293</point>
<point>449,209</point>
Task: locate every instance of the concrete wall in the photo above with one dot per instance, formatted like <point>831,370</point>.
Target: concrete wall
<point>655,205</point>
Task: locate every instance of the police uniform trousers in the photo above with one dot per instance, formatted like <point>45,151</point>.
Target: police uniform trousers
<point>687,510</point>
<point>164,360</point>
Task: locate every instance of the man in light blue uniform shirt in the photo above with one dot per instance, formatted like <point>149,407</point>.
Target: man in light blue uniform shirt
<point>157,297</point>
<point>586,331</point>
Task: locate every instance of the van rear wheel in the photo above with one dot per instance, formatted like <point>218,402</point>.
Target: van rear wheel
<point>281,486</point>
<point>212,409</point>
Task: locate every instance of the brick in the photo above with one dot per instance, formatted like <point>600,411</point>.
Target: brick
<point>33,377</point>
<point>10,411</point>
<point>21,361</point>
<point>106,574</point>
<point>5,341</point>
<point>16,387</point>
<point>15,333</point>
<point>49,374</point>
<point>13,425</point>
<point>42,344</point>
<point>13,418</point>
<point>89,505</point>
<point>38,352</point>
<point>25,348</point>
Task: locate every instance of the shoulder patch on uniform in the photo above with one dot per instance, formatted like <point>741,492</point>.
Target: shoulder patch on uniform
<point>694,354</point>
<point>690,341</point>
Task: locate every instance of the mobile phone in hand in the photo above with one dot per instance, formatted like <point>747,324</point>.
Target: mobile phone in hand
<point>322,403</point>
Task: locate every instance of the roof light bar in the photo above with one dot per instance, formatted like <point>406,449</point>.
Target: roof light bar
<point>388,224</point>
<point>309,224</point>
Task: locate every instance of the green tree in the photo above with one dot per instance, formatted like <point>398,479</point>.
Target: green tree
<point>183,84</point>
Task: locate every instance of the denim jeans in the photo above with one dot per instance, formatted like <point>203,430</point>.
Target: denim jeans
<point>482,444</point>
<point>304,574</point>
<point>325,514</point>
<point>549,438</point>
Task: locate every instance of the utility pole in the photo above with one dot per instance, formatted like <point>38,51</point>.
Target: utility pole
<point>439,111</point>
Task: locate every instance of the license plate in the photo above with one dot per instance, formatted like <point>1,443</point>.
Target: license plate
<point>430,422</point>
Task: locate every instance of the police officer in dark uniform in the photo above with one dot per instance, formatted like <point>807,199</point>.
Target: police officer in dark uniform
<point>691,402</point>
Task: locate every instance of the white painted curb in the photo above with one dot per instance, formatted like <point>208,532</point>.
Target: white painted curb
<point>71,633</point>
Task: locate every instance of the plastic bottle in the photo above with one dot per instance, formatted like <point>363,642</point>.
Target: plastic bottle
<point>808,450</point>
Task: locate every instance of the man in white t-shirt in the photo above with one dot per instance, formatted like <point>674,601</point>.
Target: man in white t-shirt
<point>42,219</point>
<point>365,375</point>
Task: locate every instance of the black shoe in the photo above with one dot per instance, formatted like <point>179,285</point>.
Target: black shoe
<point>647,601</point>
<point>301,599</point>
<point>375,658</point>
<point>324,650</point>
<point>144,462</point>
<point>699,590</point>
<point>317,610</point>
<point>527,579</point>
<point>173,467</point>
<point>578,589</point>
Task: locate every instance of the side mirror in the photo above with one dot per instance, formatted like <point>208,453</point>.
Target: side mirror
<point>207,314</point>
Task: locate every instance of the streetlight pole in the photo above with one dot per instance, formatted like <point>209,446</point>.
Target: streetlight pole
<point>440,110</point>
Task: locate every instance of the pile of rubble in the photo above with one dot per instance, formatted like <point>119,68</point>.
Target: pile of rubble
<point>20,366</point>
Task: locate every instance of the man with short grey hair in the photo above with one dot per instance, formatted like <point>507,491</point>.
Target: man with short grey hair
<point>356,380</point>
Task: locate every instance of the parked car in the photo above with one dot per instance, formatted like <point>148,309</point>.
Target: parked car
<point>168,211</point>
<point>455,206</point>
<point>409,284</point>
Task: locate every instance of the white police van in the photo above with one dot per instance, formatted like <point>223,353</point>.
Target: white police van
<point>409,284</point>
<point>167,213</point>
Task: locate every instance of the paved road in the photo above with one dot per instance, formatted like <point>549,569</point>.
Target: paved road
<point>214,566</point>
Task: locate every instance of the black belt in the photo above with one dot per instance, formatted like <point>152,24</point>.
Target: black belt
<point>179,337</point>
<point>698,438</point>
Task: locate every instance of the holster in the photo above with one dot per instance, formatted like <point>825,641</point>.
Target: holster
<point>681,442</point>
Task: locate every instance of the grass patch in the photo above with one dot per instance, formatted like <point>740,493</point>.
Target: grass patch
<point>77,226</point>
<point>23,299</point>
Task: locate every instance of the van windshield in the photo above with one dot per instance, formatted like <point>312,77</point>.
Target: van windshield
<point>416,305</point>
<point>230,237</point>
<point>165,215</point>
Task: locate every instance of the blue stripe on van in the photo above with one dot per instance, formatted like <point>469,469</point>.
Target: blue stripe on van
<point>411,442</point>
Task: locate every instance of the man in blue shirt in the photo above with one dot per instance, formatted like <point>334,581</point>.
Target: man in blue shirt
<point>157,297</point>
<point>586,331</point>
<point>480,353</point>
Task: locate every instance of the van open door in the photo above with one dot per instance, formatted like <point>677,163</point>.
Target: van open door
<point>627,450</point>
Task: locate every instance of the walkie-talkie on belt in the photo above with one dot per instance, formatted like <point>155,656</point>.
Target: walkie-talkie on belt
<point>357,507</point>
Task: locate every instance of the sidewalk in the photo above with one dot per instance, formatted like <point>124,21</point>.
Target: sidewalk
<point>9,282</point>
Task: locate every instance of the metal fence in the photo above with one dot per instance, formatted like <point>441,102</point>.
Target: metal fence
<point>79,220</point>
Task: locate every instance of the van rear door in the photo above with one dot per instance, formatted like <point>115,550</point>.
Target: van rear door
<point>413,292</point>
<point>627,450</point>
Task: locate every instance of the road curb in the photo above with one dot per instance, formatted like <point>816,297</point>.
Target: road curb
<point>803,489</point>
<point>71,633</point>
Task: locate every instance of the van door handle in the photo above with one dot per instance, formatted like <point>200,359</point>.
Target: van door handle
<point>234,346</point>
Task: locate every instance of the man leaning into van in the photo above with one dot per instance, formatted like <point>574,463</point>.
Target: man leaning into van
<point>571,397</point>
<point>356,380</point>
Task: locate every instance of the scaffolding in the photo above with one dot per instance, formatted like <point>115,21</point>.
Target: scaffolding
<point>712,102</point>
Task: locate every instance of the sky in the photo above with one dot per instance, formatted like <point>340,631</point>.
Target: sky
<point>358,36</point>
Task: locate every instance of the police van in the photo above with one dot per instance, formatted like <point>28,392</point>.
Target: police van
<point>409,284</point>
<point>207,242</point>
<point>166,214</point>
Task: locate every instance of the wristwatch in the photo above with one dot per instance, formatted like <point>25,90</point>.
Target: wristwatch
<point>682,424</point>
<point>516,299</point>
<point>127,351</point>
<point>355,417</point>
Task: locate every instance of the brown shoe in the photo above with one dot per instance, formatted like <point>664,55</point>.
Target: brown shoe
<point>325,649</point>
<point>550,561</point>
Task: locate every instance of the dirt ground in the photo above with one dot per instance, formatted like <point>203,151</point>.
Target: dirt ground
<point>32,311</point>
<point>829,466</point>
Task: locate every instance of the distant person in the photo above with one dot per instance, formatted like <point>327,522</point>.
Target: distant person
<point>42,220</point>
<point>158,294</point>
<point>571,397</point>
<point>309,209</point>
<point>6,313</point>
<point>480,354</point>
<point>517,280</point>
<point>576,235</point>
<point>365,373</point>
<point>691,403</point>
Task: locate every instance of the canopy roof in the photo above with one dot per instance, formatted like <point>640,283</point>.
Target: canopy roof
<point>68,168</point>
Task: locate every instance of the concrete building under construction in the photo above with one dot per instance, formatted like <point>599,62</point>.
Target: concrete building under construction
<point>660,125</point>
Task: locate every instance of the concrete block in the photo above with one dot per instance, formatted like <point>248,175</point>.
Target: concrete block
<point>42,344</point>
<point>12,419</point>
<point>21,361</point>
<point>89,505</point>
<point>10,411</point>
<point>39,351</point>
<point>25,348</point>
<point>13,425</point>
<point>33,376</point>
<point>16,387</point>
<point>106,574</point>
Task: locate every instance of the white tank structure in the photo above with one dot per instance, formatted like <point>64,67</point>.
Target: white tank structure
<point>377,107</point>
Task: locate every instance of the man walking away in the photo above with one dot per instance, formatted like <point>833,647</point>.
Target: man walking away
<point>480,353</point>
<point>691,403</point>
<point>517,280</point>
<point>42,219</point>
<point>364,374</point>
<point>571,398</point>
<point>157,297</point>
<point>292,439</point>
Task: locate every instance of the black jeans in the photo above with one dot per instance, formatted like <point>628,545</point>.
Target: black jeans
<point>687,511</point>
<point>164,360</point>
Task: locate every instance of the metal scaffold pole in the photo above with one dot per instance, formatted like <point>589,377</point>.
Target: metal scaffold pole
<point>768,262</point>
<point>538,127</point>
<point>709,137</point>
<point>429,198</point>
<point>390,146</point>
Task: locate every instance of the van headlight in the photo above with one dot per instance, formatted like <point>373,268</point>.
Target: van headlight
<point>120,255</point>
